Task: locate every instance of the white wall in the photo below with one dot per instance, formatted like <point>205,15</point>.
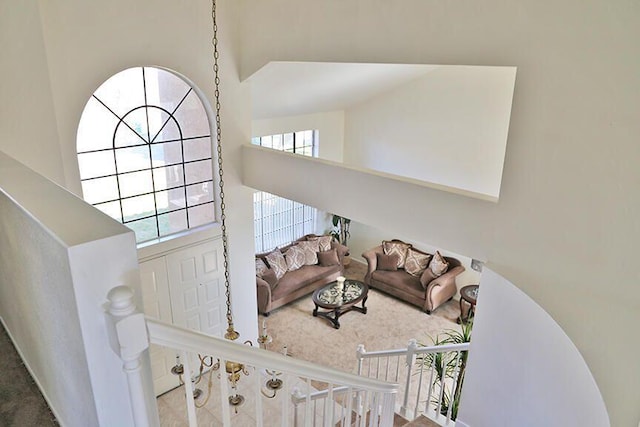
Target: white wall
<point>530,350</point>
<point>565,230</point>
<point>59,260</point>
<point>330,126</point>
<point>448,127</point>
<point>28,129</point>
<point>87,42</point>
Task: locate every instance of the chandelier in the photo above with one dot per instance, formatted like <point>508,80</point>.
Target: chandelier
<point>208,364</point>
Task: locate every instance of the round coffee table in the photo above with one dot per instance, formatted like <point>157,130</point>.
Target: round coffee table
<point>469,294</point>
<point>338,301</point>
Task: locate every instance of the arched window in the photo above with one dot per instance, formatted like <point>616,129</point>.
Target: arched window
<point>144,152</point>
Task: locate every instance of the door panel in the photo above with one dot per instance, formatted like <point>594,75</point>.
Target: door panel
<point>196,282</point>
<point>157,304</point>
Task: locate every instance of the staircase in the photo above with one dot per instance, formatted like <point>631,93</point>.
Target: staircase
<point>309,394</point>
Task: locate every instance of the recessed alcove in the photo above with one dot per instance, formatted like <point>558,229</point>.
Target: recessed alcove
<point>444,125</point>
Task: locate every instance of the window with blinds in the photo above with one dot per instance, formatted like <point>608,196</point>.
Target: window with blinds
<point>278,221</point>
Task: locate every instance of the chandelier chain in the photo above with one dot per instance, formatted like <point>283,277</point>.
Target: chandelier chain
<point>231,333</point>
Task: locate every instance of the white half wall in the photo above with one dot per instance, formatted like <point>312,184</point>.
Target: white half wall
<point>59,259</point>
<point>529,367</point>
<point>448,127</point>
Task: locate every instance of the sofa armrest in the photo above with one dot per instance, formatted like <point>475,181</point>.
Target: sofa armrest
<point>341,249</point>
<point>264,295</point>
<point>372,261</point>
<point>442,288</point>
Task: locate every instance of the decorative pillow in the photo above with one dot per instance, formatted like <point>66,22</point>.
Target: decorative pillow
<point>261,267</point>
<point>277,263</point>
<point>438,265</point>
<point>327,258</point>
<point>387,262</point>
<point>416,262</point>
<point>396,247</point>
<point>270,277</point>
<point>295,257</point>
<point>311,249</point>
<point>323,241</point>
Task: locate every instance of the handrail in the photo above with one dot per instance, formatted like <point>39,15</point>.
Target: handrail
<point>171,336</point>
<point>401,351</point>
<point>320,394</point>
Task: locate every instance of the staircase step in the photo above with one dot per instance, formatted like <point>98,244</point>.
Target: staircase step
<point>421,421</point>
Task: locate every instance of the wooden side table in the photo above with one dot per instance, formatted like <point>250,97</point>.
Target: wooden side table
<point>468,295</point>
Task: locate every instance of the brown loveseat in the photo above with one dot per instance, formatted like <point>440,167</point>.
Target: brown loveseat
<point>424,291</point>
<point>300,282</point>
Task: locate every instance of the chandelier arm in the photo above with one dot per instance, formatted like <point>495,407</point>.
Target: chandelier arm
<point>231,333</point>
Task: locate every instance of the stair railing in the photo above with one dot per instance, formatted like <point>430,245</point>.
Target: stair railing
<point>373,398</point>
<point>428,376</point>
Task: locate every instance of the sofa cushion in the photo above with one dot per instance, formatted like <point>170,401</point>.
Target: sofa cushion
<point>261,267</point>
<point>396,247</point>
<point>270,277</point>
<point>295,257</point>
<point>311,249</point>
<point>387,262</point>
<point>400,280</point>
<point>416,262</point>
<point>323,241</point>
<point>438,265</point>
<point>300,278</point>
<point>328,258</point>
<point>277,262</point>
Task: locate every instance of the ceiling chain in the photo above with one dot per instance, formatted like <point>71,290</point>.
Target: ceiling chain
<point>231,333</point>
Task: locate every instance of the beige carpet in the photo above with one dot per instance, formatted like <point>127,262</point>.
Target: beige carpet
<point>389,323</point>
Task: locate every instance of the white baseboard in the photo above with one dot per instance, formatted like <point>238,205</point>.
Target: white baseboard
<point>35,379</point>
<point>461,423</point>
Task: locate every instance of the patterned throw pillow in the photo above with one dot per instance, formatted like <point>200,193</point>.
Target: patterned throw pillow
<point>311,249</point>
<point>295,257</point>
<point>277,263</point>
<point>323,241</point>
<point>396,247</point>
<point>438,265</point>
<point>416,262</point>
<point>261,267</point>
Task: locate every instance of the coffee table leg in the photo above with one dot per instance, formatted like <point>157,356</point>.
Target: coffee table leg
<point>315,311</point>
<point>336,316</point>
<point>364,309</point>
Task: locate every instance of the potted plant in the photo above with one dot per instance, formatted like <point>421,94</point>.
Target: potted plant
<point>444,366</point>
<point>340,232</point>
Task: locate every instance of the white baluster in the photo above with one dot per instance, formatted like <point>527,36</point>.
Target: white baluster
<point>411,354</point>
<point>188,390</point>
<point>388,403</point>
<point>224,395</point>
<point>416,410</point>
<point>360,351</point>
<point>258,390</point>
<point>128,338</point>
<point>431,369</point>
<point>307,406</point>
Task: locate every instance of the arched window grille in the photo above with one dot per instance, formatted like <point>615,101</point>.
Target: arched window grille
<point>145,153</point>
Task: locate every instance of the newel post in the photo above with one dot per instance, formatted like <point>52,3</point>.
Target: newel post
<point>129,339</point>
<point>411,358</point>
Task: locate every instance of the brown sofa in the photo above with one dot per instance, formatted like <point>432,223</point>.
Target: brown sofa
<point>297,283</point>
<point>420,291</point>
